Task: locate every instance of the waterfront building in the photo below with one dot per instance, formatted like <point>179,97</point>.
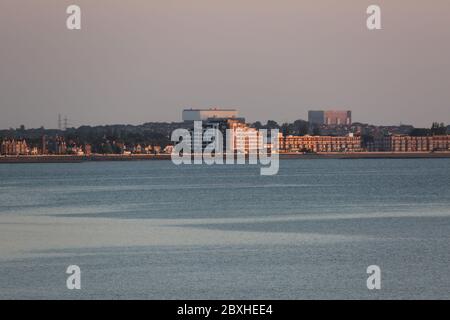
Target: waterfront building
<point>403,143</point>
<point>87,149</point>
<point>137,149</point>
<point>34,151</point>
<point>13,147</point>
<point>308,143</point>
<point>56,145</point>
<point>168,149</point>
<point>243,139</point>
<point>407,143</point>
<point>157,149</point>
<point>441,143</point>
<point>148,149</point>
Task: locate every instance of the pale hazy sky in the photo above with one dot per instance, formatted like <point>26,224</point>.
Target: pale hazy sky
<point>139,61</point>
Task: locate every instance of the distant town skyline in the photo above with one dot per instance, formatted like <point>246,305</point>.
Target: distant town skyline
<point>136,62</point>
<point>63,123</point>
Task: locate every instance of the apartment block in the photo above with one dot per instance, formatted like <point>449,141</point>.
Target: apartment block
<point>406,143</point>
<point>348,143</point>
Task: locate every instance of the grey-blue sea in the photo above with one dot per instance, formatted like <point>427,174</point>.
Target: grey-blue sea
<point>309,232</point>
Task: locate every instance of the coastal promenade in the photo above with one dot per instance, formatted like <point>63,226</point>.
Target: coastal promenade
<point>75,158</point>
<point>137,157</point>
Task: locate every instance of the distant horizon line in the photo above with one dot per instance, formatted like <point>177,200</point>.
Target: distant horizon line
<point>249,122</point>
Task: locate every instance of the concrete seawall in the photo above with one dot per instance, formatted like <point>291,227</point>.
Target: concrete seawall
<point>77,159</point>
<point>366,155</point>
<point>356,155</point>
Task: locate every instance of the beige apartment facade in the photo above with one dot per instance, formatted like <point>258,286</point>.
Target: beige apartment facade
<point>320,144</point>
<point>405,143</point>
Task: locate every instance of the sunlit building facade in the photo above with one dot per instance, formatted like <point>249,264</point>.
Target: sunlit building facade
<point>348,143</point>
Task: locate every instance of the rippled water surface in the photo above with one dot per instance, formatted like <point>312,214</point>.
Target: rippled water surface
<point>154,230</point>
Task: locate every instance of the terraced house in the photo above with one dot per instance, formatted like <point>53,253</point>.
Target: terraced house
<point>13,147</point>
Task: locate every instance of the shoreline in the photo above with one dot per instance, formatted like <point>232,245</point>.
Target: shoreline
<point>142,157</point>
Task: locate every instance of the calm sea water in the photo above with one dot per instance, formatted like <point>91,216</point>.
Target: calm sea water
<point>154,230</point>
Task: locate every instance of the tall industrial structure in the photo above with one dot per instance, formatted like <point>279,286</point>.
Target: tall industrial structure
<point>330,117</point>
<point>63,124</point>
<point>205,114</point>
